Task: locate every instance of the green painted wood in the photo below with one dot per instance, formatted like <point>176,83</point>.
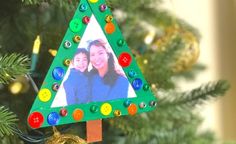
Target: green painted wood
<point>143,96</point>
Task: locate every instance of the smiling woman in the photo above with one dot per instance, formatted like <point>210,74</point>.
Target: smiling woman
<point>106,82</point>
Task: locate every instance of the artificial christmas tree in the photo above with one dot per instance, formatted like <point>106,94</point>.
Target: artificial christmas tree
<point>161,58</point>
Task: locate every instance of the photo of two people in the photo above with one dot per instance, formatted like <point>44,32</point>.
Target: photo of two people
<point>102,83</point>
<point>94,74</point>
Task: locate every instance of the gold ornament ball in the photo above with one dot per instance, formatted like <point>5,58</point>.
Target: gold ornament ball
<point>189,54</point>
<point>58,138</point>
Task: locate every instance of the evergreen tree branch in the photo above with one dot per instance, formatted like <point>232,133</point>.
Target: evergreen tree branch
<point>13,65</point>
<point>7,120</point>
<point>182,135</point>
<point>191,74</point>
<point>197,96</point>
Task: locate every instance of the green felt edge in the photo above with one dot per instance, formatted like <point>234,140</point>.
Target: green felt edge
<point>142,96</point>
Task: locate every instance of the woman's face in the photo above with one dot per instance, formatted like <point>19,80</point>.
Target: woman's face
<point>98,57</point>
<point>80,62</point>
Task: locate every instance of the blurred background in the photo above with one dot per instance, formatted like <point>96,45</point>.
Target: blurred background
<point>215,20</point>
<point>183,47</point>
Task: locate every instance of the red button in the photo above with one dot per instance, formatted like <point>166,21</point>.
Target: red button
<point>35,120</point>
<point>125,59</point>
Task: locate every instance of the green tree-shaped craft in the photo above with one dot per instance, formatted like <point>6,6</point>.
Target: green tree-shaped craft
<point>93,75</point>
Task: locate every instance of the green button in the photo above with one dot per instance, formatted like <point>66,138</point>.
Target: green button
<point>75,25</point>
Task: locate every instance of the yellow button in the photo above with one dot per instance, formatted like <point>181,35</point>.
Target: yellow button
<point>106,109</point>
<point>44,95</point>
<point>93,1</point>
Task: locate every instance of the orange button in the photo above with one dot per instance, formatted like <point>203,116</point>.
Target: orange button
<point>109,28</point>
<point>78,114</point>
<point>132,109</point>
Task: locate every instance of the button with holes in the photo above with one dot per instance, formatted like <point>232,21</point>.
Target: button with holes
<point>44,95</point>
<point>93,1</point>
<point>125,59</point>
<point>106,109</point>
<point>78,114</point>
<point>58,73</point>
<point>137,84</point>
<point>75,25</point>
<point>132,109</point>
<point>53,118</point>
<point>35,120</point>
<point>109,28</point>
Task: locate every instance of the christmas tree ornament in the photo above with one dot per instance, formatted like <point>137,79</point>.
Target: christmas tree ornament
<point>167,37</point>
<point>76,89</point>
<point>58,138</point>
<point>189,54</point>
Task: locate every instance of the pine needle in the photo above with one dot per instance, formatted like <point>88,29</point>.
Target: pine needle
<point>7,120</point>
<point>12,65</point>
<point>197,96</point>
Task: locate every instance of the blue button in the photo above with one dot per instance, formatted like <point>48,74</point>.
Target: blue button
<point>53,118</point>
<point>127,103</point>
<point>58,73</point>
<point>137,84</point>
<point>132,74</point>
<point>83,7</point>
